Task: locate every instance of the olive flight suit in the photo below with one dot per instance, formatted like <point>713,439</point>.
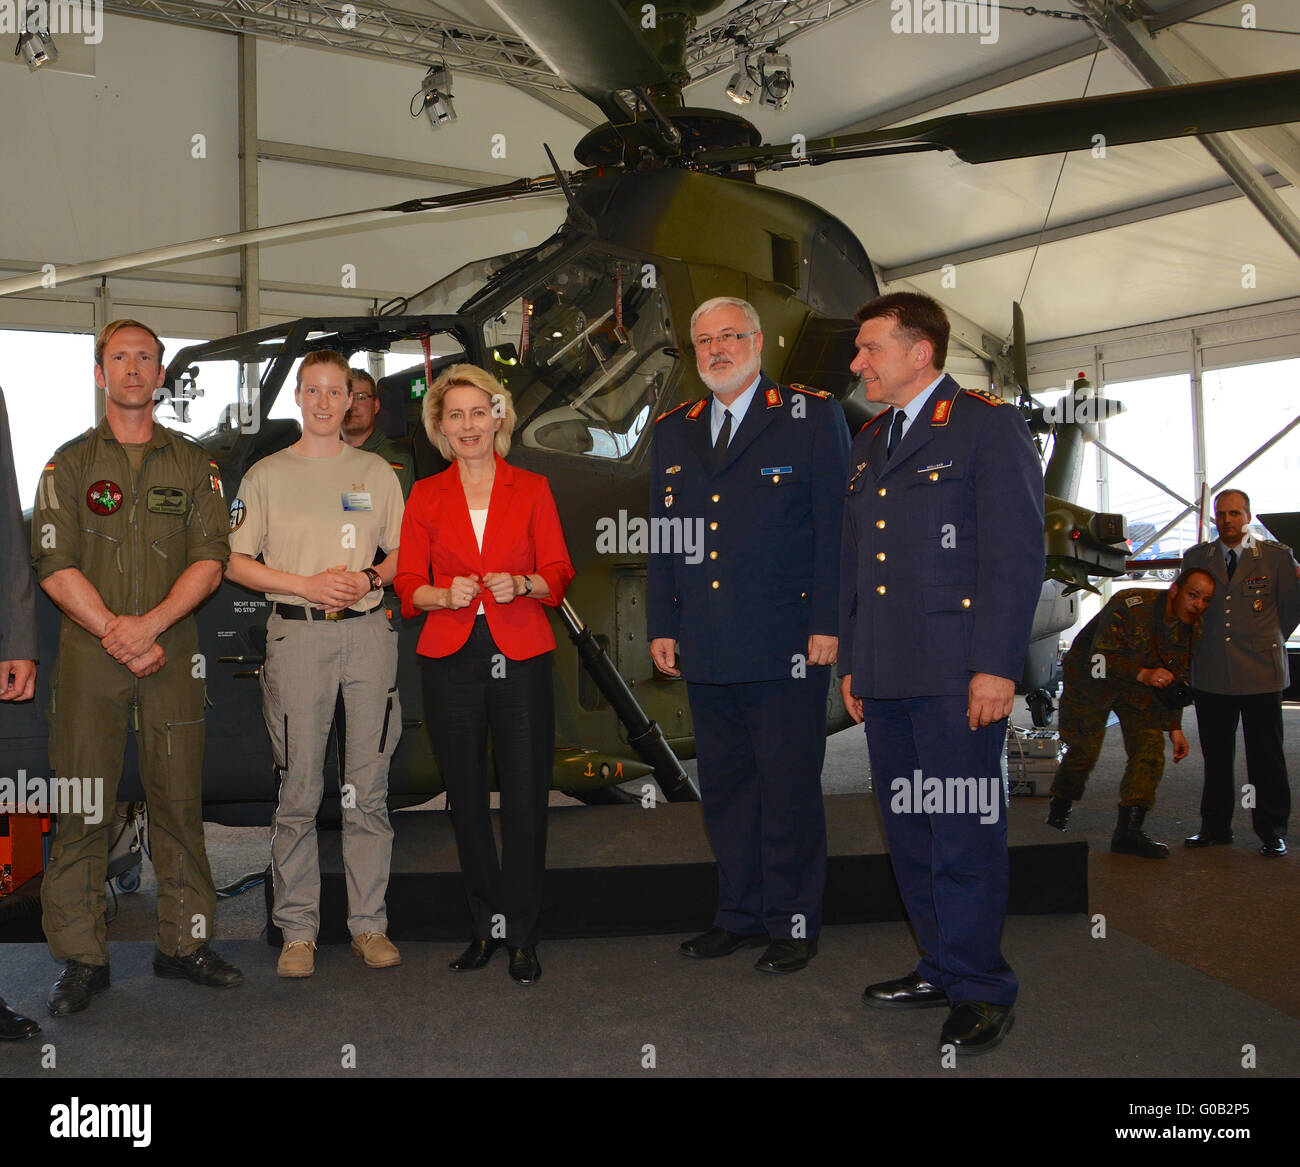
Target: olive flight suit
<point>131,534</point>
<point>1100,671</point>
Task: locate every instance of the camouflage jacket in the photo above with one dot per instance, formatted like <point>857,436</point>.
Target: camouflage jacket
<point>1130,634</point>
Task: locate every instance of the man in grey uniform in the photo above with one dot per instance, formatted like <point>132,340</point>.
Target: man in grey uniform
<point>1239,672</point>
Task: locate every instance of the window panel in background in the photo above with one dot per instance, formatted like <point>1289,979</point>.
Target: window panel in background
<point>49,385</point>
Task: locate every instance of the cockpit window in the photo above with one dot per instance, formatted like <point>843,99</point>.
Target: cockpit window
<point>586,355</point>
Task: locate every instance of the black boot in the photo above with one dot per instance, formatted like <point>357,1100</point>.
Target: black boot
<point>1058,814</point>
<point>1130,839</point>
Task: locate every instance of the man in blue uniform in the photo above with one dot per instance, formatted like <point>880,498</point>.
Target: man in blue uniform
<point>747,495</point>
<point>942,567</point>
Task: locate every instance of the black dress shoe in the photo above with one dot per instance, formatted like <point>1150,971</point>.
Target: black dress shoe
<point>974,1027</point>
<point>77,983</point>
<point>786,956</point>
<point>525,968</point>
<point>909,992</point>
<point>202,966</point>
<point>1204,838</point>
<point>14,1026</point>
<point>1273,847</point>
<point>719,942</point>
<point>476,956</point>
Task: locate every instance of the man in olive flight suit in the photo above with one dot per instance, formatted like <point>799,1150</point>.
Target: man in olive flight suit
<point>361,432</point>
<point>129,534</point>
<point>1137,646</point>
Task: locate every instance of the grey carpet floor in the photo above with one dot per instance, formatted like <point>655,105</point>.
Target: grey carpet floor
<point>1094,1008</point>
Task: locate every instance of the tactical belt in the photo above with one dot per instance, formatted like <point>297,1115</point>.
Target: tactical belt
<point>298,612</point>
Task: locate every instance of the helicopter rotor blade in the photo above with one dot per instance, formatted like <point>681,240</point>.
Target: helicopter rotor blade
<point>1054,127</point>
<point>197,248</point>
<point>591,44</point>
<point>1019,350</point>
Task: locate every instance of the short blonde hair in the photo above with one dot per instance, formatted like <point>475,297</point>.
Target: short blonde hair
<point>107,332</point>
<point>476,378</point>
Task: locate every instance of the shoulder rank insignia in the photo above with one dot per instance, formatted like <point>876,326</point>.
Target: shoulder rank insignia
<point>941,411</point>
<point>797,388</point>
<point>670,412</point>
<point>772,397</point>
<point>985,396</point>
<point>868,424</point>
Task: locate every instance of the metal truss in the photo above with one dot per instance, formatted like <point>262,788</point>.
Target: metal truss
<point>378,30</point>
<point>368,29</point>
<point>761,23</point>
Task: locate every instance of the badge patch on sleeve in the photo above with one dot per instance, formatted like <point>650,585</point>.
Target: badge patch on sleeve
<point>214,479</point>
<point>168,500</point>
<point>238,513</point>
<point>104,497</point>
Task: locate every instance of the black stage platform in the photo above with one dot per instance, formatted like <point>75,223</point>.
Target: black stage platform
<point>631,871</point>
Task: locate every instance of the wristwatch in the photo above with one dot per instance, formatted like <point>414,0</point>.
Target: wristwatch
<point>376,584</point>
<point>528,585</point>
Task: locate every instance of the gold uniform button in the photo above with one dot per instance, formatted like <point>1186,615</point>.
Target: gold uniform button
<point>803,595</point>
<point>880,524</point>
<point>881,556</point>
<point>717,498</point>
<point>713,555</point>
<point>716,584</point>
<point>880,591</point>
<point>934,476</point>
<point>882,492</point>
<point>713,526</point>
<point>775,479</point>
<point>965,603</point>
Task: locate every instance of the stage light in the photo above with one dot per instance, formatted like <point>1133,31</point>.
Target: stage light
<point>435,96</point>
<point>35,45</point>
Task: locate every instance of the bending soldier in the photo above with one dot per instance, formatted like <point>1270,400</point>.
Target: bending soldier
<point>1134,657</point>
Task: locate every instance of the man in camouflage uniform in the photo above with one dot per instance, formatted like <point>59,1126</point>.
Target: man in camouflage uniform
<point>129,534</point>
<point>1139,643</point>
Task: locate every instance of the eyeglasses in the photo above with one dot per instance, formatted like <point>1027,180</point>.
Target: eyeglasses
<point>725,338</point>
<point>363,397</point>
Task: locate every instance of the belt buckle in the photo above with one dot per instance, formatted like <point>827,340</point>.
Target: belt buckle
<point>333,615</point>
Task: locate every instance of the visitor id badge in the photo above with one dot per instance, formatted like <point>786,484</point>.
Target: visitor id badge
<point>356,500</point>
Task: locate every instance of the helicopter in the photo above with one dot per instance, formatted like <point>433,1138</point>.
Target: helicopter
<point>590,332</point>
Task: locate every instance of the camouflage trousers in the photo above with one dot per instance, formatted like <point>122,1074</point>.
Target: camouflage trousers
<point>1082,723</point>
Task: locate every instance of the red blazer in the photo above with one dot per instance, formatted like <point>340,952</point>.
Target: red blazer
<point>522,536</point>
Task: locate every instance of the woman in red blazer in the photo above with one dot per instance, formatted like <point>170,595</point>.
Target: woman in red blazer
<point>481,552</point>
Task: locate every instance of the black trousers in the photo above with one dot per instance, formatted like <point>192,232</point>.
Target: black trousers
<point>1260,715</point>
<point>466,695</point>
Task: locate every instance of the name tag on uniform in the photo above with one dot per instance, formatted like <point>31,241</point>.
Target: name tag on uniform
<point>935,466</point>
<point>768,471</point>
<point>356,500</point>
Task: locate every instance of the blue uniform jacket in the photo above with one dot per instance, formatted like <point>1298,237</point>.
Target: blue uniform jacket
<point>942,557</point>
<point>765,570</point>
